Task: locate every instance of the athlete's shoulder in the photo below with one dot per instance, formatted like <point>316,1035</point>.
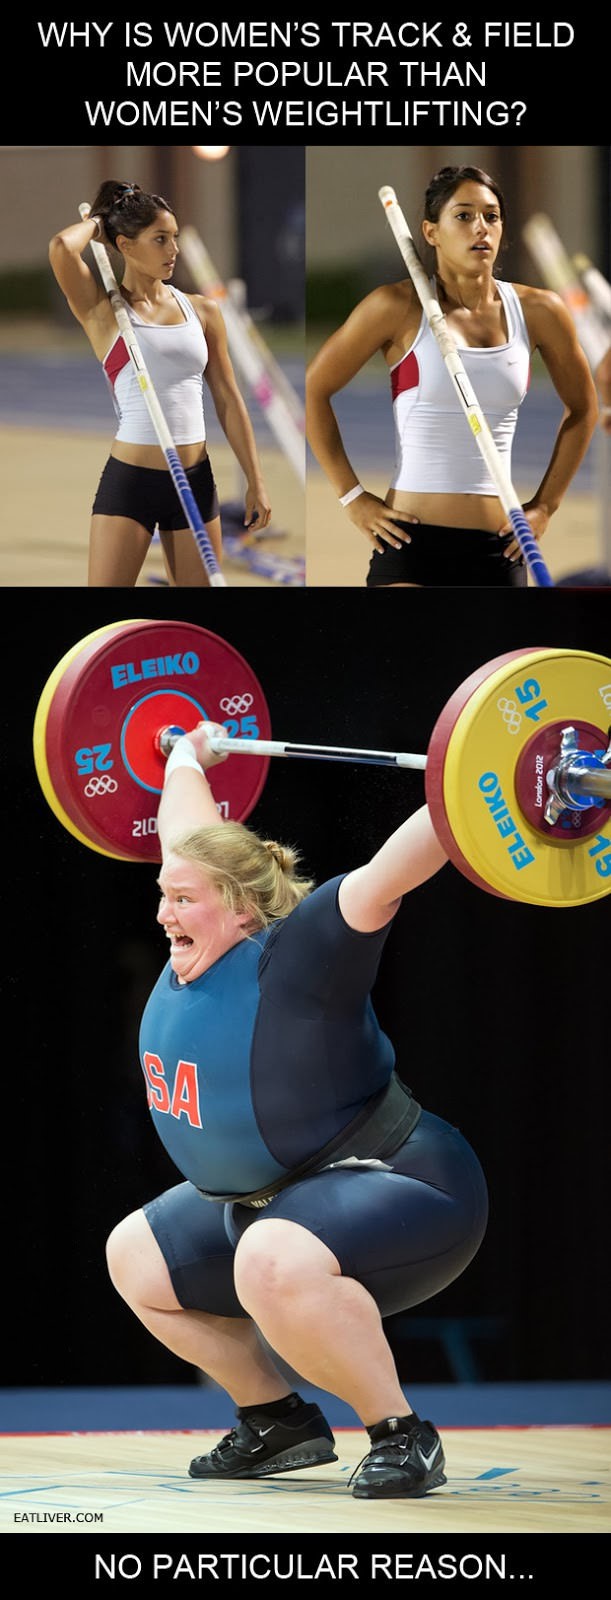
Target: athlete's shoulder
<point>206,305</point>
<point>536,300</point>
<point>388,311</point>
<point>392,297</point>
<point>545,313</point>
<point>206,309</point>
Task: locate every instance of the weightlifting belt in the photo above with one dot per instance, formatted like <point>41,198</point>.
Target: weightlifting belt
<point>376,1132</point>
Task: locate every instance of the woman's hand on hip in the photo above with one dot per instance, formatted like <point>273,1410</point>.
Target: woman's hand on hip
<point>379,522</point>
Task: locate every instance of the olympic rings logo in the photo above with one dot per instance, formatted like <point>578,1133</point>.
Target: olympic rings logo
<point>237,704</point>
<point>511,716</point>
<point>103,785</point>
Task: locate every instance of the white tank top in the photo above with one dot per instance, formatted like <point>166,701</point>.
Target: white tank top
<point>176,355</point>
<point>436,452</point>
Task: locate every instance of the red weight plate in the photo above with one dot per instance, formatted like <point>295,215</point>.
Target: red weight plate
<point>109,705</point>
<point>162,708</point>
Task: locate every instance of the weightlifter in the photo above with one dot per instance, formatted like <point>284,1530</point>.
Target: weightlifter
<point>316,1196</point>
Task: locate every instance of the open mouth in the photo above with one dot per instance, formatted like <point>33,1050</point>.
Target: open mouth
<point>180,941</point>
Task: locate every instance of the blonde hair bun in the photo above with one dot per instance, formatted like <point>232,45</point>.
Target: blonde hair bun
<point>286,858</point>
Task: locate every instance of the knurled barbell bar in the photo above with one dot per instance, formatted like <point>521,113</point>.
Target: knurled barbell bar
<point>517,771</point>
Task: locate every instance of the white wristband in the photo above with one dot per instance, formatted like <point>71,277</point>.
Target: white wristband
<point>352,494</point>
<point>181,755</point>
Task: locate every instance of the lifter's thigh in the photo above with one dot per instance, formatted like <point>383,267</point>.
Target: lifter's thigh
<point>136,1266</point>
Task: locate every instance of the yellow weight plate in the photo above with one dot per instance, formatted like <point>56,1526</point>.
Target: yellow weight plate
<point>492,835</point>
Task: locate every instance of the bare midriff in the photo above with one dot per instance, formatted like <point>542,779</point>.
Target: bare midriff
<point>151,455</point>
<point>482,511</point>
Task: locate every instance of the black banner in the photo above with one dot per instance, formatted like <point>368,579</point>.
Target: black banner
<point>156,1563</point>
<point>161,78</point>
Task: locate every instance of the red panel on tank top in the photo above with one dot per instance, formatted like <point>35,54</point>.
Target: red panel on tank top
<point>405,376</point>
<point>115,361</point>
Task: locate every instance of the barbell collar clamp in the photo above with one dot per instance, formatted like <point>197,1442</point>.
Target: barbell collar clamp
<point>583,781</point>
<point>579,780</point>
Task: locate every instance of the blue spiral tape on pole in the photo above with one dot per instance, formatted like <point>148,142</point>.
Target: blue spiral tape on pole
<point>530,549</point>
<point>192,513</point>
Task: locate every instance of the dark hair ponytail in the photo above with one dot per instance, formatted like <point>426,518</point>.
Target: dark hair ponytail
<point>126,208</point>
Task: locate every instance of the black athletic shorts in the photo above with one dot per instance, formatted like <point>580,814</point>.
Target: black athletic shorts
<point>405,1230</point>
<point>448,557</point>
<point>148,496</point>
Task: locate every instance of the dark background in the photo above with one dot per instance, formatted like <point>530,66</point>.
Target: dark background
<point>506,1009</point>
<point>498,1010</point>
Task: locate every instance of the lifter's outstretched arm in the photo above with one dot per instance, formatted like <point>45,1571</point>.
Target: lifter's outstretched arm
<point>187,800</point>
<point>368,897</point>
<point>371,895</point>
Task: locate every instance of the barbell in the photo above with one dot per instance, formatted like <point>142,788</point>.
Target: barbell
<point>517,772</point>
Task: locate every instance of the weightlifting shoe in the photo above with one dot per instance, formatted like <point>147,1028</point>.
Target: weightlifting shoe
<point>404,1462</point>
<point>261,1445</point>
